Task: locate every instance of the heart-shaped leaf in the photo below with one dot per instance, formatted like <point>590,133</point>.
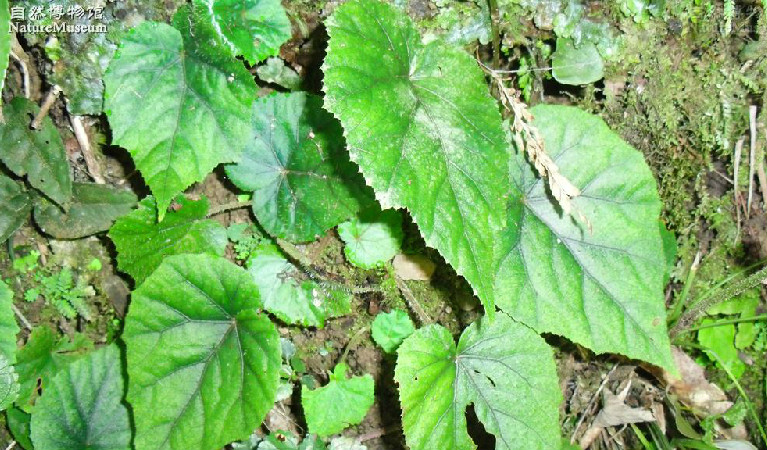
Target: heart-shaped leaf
<point>295,163</point>
<point>576,65</point>
<point>93,209</point>
<point>38,155</point>
<point>203,362</point>
<point>8,326</point>
<point>342,403</point>
<point>142,242</point>
<point>502,368</point>
<point>82,406</point>
<point>605,276</point>
<point>179,111</point>
<point>373,238</point>
<point>421,124</point>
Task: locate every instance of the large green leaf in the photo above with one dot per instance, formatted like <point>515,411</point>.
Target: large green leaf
<point>93,209</point>
<point>9,383</point>
<point>83,409</point>
<point>290,295</point>
<point>15,205</point>
<point>295,163</point>
<point>44,355</point>
<point>605,277</point>
<point>342,403</point>
<point>423,128</point>
<point>254,29</point>
<point>8,326</point>
<point>142,242</point>
<point>203,362</point>
<point>38,155</point>
<point>373,238</point>
<point>5,40</point>
<point>179,111</point>
<point>501,367</point>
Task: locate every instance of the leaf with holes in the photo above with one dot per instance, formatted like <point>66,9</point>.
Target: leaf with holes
<point>290,295</point>
<point>83,409</point>
<point>8,326</point>
<point>203,362</point>
<point>605,276</point>
<point>142,242</point>
<point>295,163</point>
<point>502,368</point>
<point>373,238</point>
<point>342,403</point>
<point>178,109</point>
<point>93,209</point>
<point>421,124</point>
<point>38,155</point>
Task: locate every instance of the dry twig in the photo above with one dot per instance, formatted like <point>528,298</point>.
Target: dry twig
<point>50,99</point>
<point>94,168</point>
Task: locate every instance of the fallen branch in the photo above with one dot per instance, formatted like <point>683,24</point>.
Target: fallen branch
<point>50,99</point>
<point>94,168</point>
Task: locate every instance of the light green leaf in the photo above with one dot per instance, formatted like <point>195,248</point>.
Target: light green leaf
<point>9,383</point>
<point>179,111</point>
<point>390,329</point>
<point>44,355</point>
<point>604,277</point>
<point>82,408</point>
<point>342,403</point>
<point>5,40</point>
<point>93,209</point>
<point>423,128</point>
<point>15,205</point>
<point>276,72</point>
<point>576,65</point>
<point>721,340</point>
<point>142,243</point>
<point>203,362</point>
<point>38,155</point>
<point>8,326</point>
<point>501,367</point>
<point>290,295</point>
<point>254,29</point>
<point>297,167</point>
<point>373,238</point>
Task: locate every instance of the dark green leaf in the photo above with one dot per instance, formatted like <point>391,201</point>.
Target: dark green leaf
<point>297,167</point>
<point>142,242</point>
<point>203,363</point>
<point>38,155</point>
<point>8,327</point>
<point>342,403</point>
<point>15,206</point>
<point>576,65</point>
<point>422,126</point>
<point>93,209</point>
<point>82,408</point>
<point>373,238</point>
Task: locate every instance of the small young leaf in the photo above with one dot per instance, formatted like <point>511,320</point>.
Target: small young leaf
<point>15,206</point>
<point>291,297</point>
<point>5,40</point>
<point>83,409</point>
<point>605,276</point>
<point>38,155</point>
<point>576,65</point>
<point>203,362</point>
<point>178,112</point>
<point>390,329</point>
<point>297,167</point>
<point>9,383</point>
<point>254,29</point>
<point>142,242</point>
<point>373,238</point>
<point>8,326</point>
<point>501,367</point>
<point>41,358</point>
<point>422,126</point>
<point>340,404</point>
<point>93,209</point>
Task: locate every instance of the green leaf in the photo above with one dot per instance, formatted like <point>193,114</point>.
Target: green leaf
<point>604,278</point>
<point>576,65</point>
<point>82,408</point>
<point>501,367</point>
<point>373,238</point>
<point>15,206</point>
<point>203,362</point>
<point>5,40</point>
<point>142,243</point>
<point>276,72</point>
<point>179,112</point>
<point>18,424</point>
<point>721,341</point>
<point>9,383</point>
<point>295,164</point>
<point>290,295</point>
<point>8,327</point>
<point>390,329</point>
<point>92,210</point>
<point>423,128</point>
<point>44,355</point>
<point>342,403</point>
<point>38,155</point>
<point>668,240</point>
<point>254,29</point>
